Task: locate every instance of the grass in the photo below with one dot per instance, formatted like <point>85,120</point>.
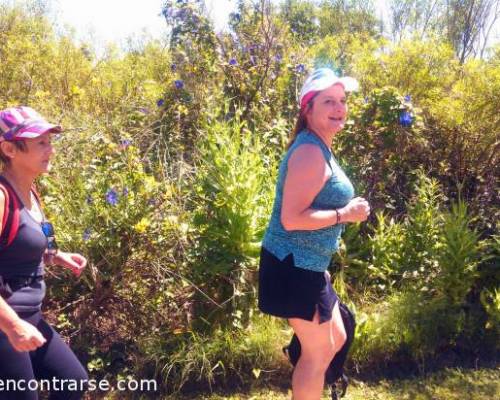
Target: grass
<point>448,384</point>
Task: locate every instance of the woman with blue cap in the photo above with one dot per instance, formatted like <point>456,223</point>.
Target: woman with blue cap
<point>30,349</point>
<point>314,200</point>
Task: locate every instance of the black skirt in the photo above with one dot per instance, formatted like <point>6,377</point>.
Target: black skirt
<point>287,291</point>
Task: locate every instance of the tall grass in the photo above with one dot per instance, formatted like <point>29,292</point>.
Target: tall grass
<point>195,360</point>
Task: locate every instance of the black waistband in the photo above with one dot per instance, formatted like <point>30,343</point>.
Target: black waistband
<point>9,285</point>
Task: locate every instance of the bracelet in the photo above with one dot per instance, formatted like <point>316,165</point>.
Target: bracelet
<point>338,217</point>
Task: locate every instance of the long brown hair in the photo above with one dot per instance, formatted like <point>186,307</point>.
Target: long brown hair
<point>300,124</point>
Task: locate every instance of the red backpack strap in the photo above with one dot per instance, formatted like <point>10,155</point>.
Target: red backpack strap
<point>6,207</point>
<point>10,220</point>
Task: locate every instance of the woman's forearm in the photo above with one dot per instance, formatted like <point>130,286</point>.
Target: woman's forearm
<point>312,219</point>
<point>8,317</point>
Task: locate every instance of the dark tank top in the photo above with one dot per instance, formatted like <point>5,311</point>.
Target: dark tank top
<point>23,259</point>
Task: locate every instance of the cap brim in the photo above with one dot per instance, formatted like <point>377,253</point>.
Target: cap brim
<point>350,84</point>
<point>37,129</point>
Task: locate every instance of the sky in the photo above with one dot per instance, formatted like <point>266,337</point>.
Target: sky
<point>103,21</point>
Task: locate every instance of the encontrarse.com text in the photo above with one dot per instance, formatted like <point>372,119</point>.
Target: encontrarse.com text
<point>56,384</point>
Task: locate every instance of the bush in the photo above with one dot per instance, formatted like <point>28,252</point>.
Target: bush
<point>232,202</point>
<point>428,264</point>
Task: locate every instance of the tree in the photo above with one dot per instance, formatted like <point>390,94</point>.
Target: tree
<point>302,18</point>
<point>466,24</point>
<point>348,16</point>
<point>415,16</point>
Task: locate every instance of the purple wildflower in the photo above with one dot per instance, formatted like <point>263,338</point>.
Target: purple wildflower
<point>125,191</point>
<point>300,68</point>
<point>124,143</point>
<point>179,84</point>
<point>407,98</point>
<point>112,197</point>
<point>86,234</point>
<point>160,102</point>
<point>173,67</point>
<point>89,199</point>
<point>233,61</point>
<point>405,119</point>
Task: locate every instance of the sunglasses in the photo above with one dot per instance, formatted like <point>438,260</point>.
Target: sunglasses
<point>48,231</point>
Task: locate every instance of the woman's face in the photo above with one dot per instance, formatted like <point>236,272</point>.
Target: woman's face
<point>328,111</point>
<point>35,159</point>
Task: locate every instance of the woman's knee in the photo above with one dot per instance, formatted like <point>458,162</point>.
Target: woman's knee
<point>319,357</point>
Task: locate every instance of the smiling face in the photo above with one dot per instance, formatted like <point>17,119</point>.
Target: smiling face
<point>328,111</point>
<point>34,158</point>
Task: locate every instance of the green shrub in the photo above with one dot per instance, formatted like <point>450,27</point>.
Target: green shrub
<point>232,204</point>
<point>429,266</point>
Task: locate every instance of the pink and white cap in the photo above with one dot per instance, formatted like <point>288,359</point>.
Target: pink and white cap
<point>23,122</point>
<point>321,79</point>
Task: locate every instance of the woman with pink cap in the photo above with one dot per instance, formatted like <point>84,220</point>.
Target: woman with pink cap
<point>314,200</point>
<point>30,349</point>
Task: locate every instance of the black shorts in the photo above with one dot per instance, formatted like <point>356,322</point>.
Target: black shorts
<point>287,291</point>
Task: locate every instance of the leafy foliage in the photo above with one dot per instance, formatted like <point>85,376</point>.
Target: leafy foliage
<point>165,180</point>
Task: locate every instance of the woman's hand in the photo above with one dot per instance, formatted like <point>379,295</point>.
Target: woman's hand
<point>73,261</point>
<point>357,210</point>
<point>25,337</point>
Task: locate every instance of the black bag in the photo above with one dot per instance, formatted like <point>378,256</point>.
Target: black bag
<point>334,376</point>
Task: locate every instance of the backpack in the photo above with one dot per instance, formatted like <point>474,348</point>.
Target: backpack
<point>334,375</point>
<point>10,220</point>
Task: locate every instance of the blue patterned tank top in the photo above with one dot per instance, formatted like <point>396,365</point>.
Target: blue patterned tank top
<point>311,250</point>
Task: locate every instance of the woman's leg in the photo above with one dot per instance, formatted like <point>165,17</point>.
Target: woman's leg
<point>15,367</point>
<point>56,360</point>
<point>319,343</point>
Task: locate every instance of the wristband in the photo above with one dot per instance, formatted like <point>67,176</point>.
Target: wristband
<point>338,217</point>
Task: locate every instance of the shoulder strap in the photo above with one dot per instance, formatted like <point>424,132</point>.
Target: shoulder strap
<point>10,220</point>
<point>36,194</point>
